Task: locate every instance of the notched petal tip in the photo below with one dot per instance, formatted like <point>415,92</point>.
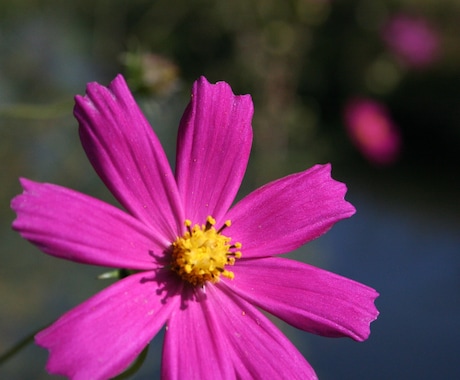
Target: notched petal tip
<point>27,184</point>
<point>18,201</point>
<point>119,85</point>
<point>119,82</point>
<point>202,82</point>
<point>373,311</point>
<point>369,314</point>
<point>117,89</point>
<point>341,189</point>
<point>243,101</point>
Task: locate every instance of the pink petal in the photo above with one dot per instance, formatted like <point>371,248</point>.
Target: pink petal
<point>74,226</point>
<point>102,336</point>
<point>247,340</point>
<point>288,213</point>
<point>192,347</point>
<point>214,142</point>
<point>306,297</point>
<point>128,157</point>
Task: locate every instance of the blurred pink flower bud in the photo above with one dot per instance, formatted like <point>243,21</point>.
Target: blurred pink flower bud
<point>372,131</point>
<point>412,40</point>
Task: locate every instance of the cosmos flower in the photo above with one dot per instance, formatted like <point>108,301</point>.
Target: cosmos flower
<point>198,265</point>
<point>372,131</point>
<point>413,40</point>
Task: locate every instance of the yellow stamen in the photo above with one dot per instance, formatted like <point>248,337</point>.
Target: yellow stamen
<point>202,253</point>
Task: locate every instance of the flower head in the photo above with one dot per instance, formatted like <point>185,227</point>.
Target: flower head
<point>200,266</point>
<point>372,131</point>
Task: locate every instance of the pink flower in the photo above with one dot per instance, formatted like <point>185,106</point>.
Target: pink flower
<point>412,39</point>
<point>372,131</point>
<point>196,273</point>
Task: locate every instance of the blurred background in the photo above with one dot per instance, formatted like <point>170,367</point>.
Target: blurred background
<point>371,86</point>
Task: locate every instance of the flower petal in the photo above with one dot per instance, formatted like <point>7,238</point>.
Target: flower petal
<point>221,336</point>
<point>192,347</point>
<point>74,226</point>
<point>307,297</point>
<point>289,212</point>
<point>214,142</point>
<point>128,157</point>
<point>256,348</point>
<point>102,336</point>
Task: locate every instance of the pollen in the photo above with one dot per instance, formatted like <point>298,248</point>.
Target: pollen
<point>202,253</point>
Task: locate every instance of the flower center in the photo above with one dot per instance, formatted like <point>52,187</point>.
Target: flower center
<point>201,254</point>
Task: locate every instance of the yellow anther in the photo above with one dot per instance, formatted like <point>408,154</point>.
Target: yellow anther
<point>201,254</point>
<point>228,274</point>
<point>227,223</point>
